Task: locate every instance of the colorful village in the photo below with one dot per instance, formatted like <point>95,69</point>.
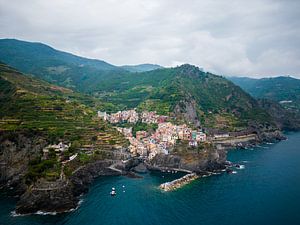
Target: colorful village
<point>145,143</point>
<point>148,144</point>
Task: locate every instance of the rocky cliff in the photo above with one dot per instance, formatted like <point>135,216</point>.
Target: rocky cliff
<point>62,195</point>
<point>204,161</point>
<point>16,150</point>
<point>285,119</point>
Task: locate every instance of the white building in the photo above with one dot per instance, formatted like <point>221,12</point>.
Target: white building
<point>102,115</point>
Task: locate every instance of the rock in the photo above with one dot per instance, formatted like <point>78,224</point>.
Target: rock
<point>43,197</point>
<point>206,161</point>
<point>141,168</point>
<point>83,177</point>
<point>178,183</point>
<point>62,195</point>
<point>271,136</point>
<point>133,175</point>
<point>16,150</point>
<point>129,164</point>
<point>187,110</point>
<point>285,119</point>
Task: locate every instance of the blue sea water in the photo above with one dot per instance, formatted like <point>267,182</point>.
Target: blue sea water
<point>266,191</point>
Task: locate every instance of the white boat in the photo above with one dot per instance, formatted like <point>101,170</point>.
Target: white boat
<point>113,192</point>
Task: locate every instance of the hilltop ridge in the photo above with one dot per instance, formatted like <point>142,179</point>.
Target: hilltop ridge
<point>282,89</point>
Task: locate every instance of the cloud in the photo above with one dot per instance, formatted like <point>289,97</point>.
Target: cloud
<point>254,38</point>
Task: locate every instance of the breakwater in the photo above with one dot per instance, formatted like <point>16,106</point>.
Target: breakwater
<point>178,183</point>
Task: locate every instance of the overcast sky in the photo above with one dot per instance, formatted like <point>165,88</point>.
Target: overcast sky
<point>253,38</point>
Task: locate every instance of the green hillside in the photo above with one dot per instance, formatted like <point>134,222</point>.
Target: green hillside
<point>285,90</point>
<point>141,67</point>
<point>55,66</point>
<point>55,112</point>
<point>185,92</point>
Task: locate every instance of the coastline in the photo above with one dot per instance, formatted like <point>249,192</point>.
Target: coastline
<point>83,177</point>
<point>202,190</point>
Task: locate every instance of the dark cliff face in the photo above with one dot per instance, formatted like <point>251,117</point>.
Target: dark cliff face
<point>16,150</point>
<point>285,119</point>
<point>187,111</point>
<point>83,177</point>
<point>62,195</point>
<point>47,197</point>
<point>208,161</point>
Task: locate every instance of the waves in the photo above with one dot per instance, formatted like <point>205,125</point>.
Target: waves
<point>42,213</point>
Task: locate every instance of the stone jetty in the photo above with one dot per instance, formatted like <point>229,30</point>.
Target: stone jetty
<point>178,183</point>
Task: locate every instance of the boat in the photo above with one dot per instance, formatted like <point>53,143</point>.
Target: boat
<point>113,192</point>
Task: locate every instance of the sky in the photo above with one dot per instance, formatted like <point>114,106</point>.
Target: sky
<point>254,38</point>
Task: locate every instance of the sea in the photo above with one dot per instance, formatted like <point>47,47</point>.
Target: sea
<point>265,190</point>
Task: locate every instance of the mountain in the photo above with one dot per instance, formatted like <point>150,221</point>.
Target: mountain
<point>185,92</point>
<point>54,66</point>
<point>189,94</point>
<point>141,67</point>
<point>285,90</point>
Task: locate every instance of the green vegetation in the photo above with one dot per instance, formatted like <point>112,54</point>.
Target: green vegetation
<point>27,103</point>
<point>185,90</point>
<point>143,127</point>
<point>185,94</point>
<point>49,169</point>
<point>161,107</point>
<point>276,89</point>
<point>141,68</point>
<point>139,126</point>
<point>54,113</point>
<point>54,66</point>
<point>214,97</point>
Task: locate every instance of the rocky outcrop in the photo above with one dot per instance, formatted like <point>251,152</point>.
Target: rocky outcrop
<point>209,160</point>
<point>285,119</point>
<point>186,110</point>
<point>63,195</point>
<point>47,197</point>
<point>83,177</point>
<point>141,168</point>
<point>16,150</point>
<point>271,136</point>
<point>261,135</point>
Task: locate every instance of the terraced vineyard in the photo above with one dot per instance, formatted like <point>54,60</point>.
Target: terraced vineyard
<point>57,114</point>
